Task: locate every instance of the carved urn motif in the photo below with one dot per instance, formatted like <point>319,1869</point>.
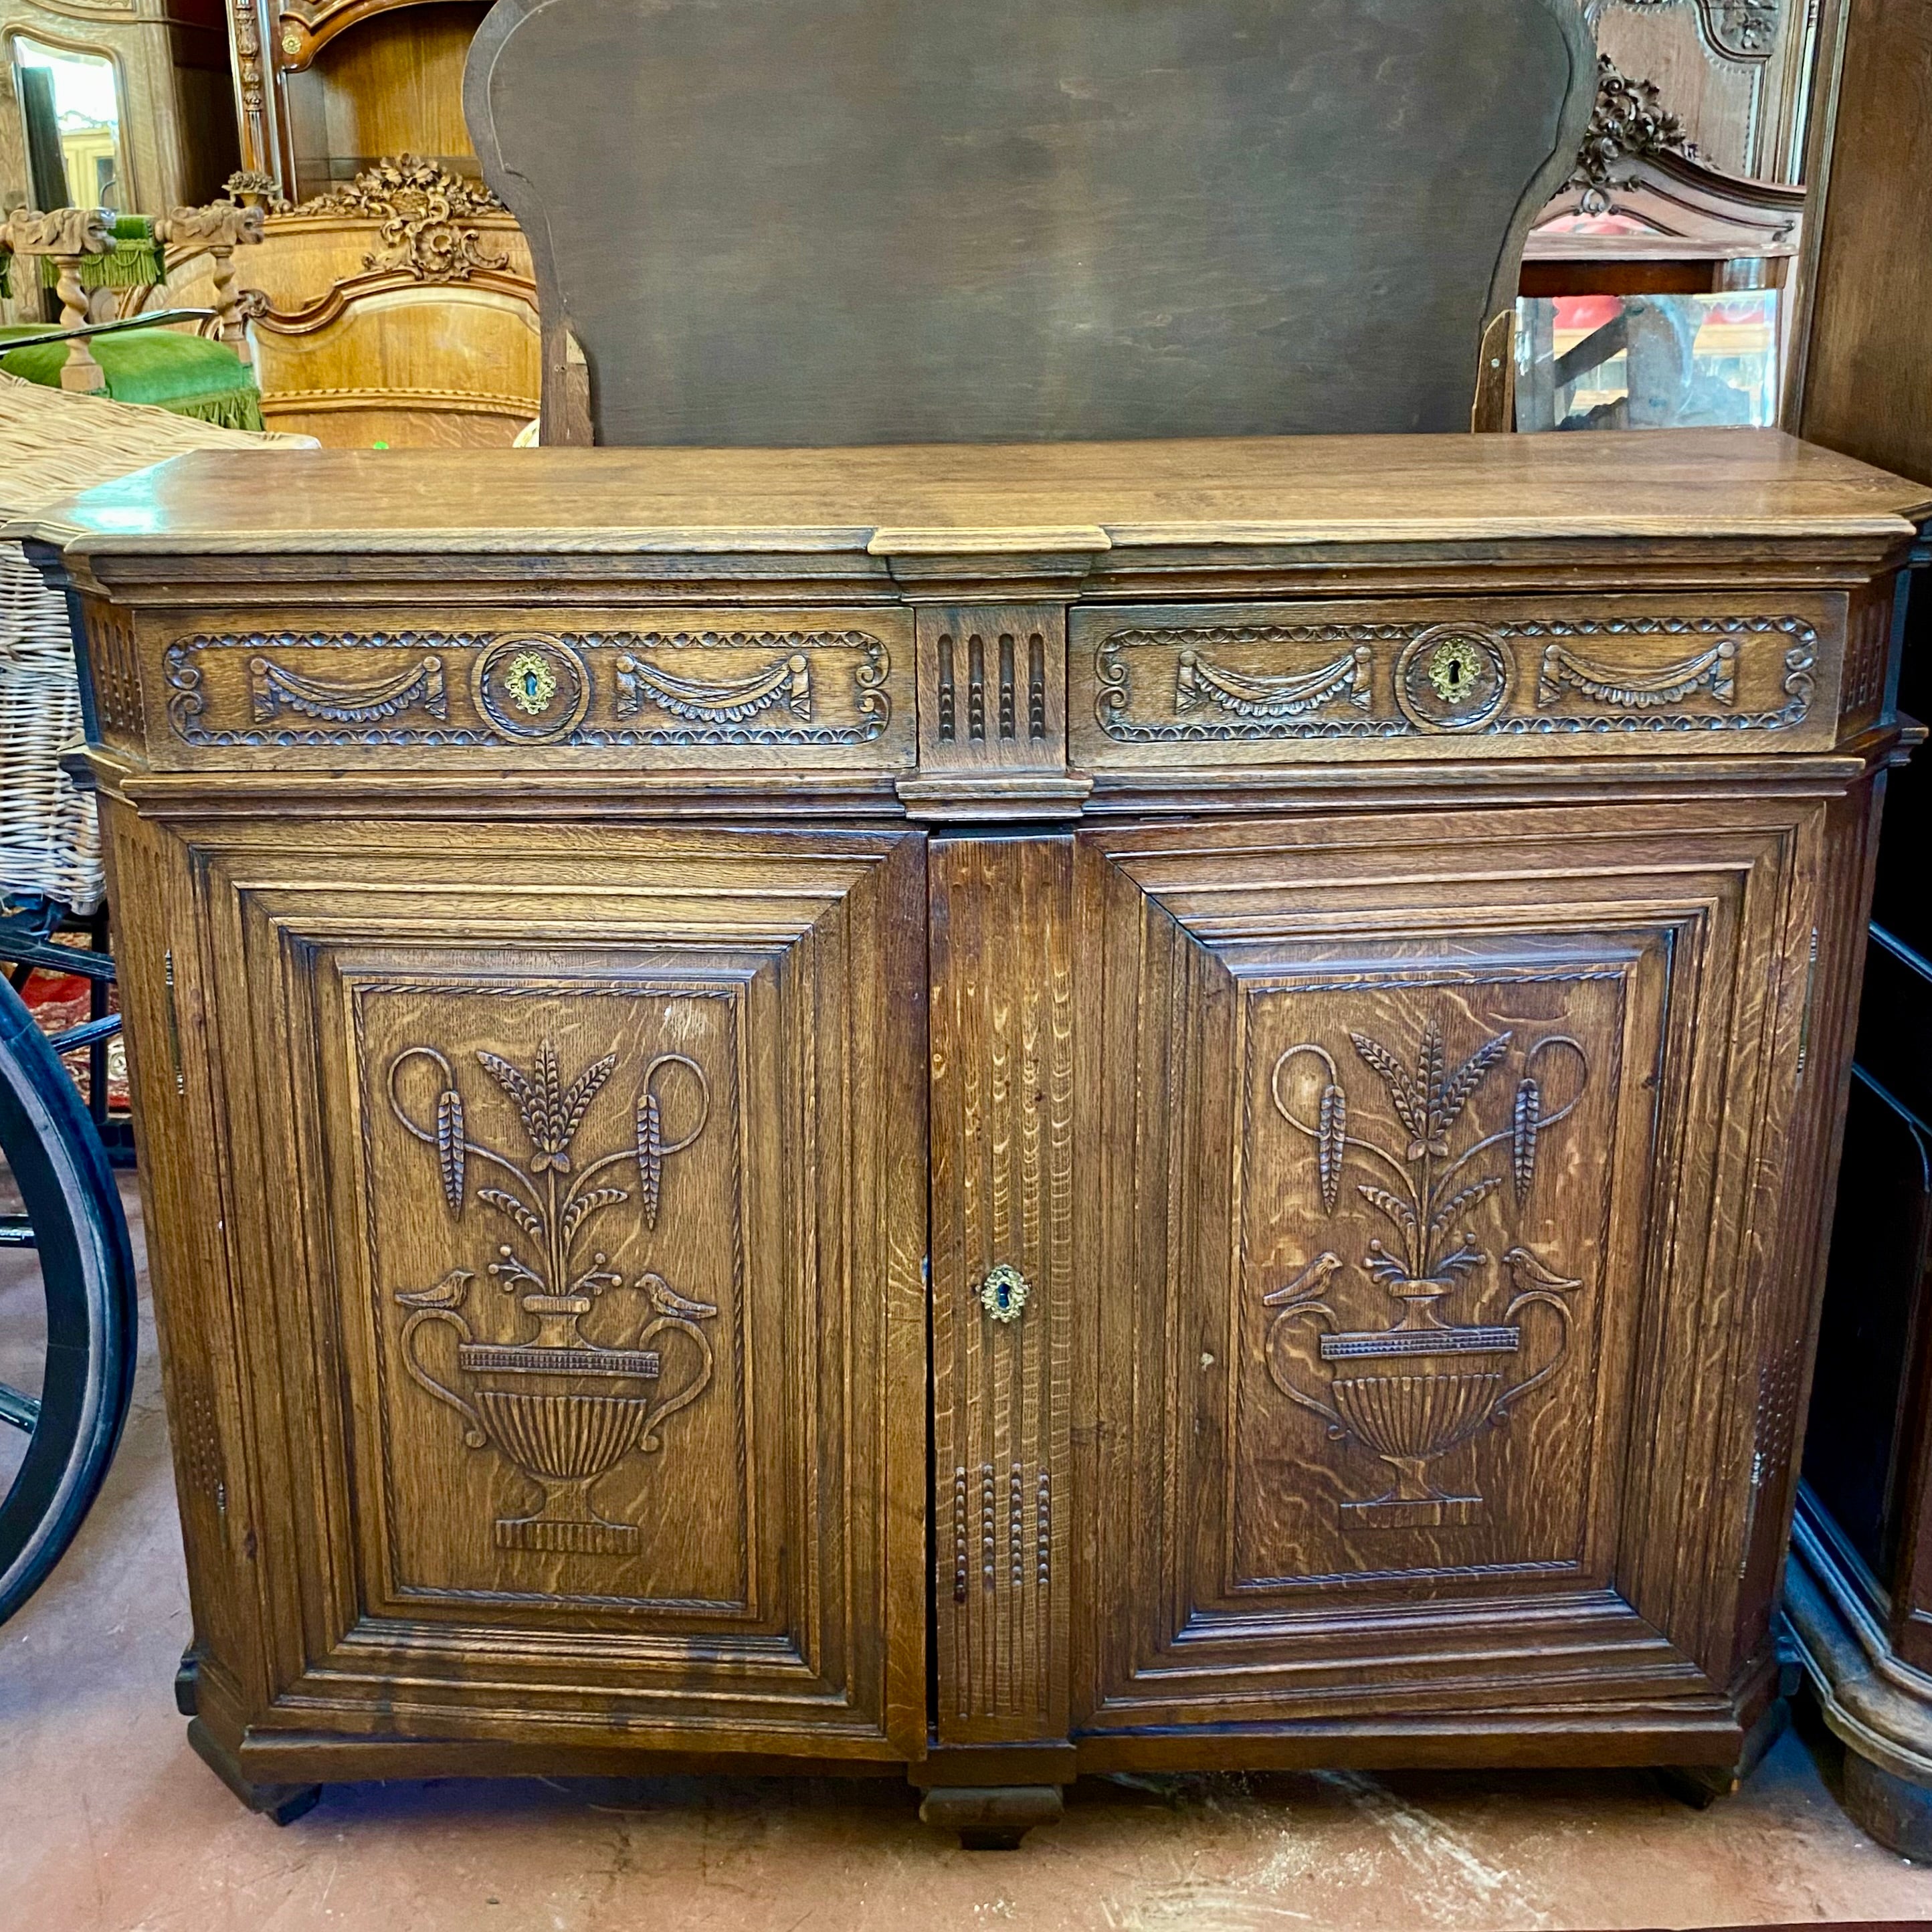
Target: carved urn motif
<point>565,1410</point>
<point>1412,1391</point>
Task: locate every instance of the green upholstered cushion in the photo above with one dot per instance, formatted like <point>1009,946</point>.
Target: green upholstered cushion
<point>188,374</point>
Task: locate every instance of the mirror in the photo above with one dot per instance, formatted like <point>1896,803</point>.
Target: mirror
<point>71,105</point>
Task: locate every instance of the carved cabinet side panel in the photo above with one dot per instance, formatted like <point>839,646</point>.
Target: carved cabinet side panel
<point>202,1323</point>
<point>1002,1183</point>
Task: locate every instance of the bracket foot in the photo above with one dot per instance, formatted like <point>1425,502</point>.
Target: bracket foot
<point>284,1803</point>
<point>990,1817</point>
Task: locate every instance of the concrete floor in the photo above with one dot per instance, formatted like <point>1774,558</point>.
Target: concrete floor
<point>108,1824</point>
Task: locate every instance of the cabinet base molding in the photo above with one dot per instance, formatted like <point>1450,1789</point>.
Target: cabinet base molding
<point>1058,1763</point>
<point>990,1817</point>
<point>284,1803</point>
<point>266,1757</point>
<point>1879,1707</point>
<point>1700,1786</point>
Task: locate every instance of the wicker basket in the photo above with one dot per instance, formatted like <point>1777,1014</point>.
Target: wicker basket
<point>54,443</point>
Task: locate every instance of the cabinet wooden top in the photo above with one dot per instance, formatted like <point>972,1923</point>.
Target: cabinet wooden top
<point>1030,498</point>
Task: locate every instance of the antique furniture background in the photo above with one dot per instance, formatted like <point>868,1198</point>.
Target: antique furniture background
<point>324,89</point>
<point>175,141</point>
<point>974,1109</point>
<point>398,308</point>
<point>1642,217</point>
<point>1860,1576</point>
<point>67,1380</point>
<point>1736,73</point>
<point>103,269</point>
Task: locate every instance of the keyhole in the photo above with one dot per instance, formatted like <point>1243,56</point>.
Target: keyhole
<point>1455,673</point>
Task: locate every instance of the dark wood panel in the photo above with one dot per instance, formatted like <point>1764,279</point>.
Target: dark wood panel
<point>1868,351</point>
<point>1428,1284</point>
<point>872,223</point>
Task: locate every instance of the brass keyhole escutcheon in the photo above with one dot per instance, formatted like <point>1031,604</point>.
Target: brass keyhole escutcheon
<point>1004,1293</point>
<point>1452,666</point>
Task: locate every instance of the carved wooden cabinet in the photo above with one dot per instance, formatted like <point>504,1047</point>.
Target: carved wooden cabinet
<point>981,1112</point>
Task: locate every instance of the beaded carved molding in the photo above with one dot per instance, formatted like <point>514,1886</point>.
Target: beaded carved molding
<point>463,689</point>
<point>1155,685</point>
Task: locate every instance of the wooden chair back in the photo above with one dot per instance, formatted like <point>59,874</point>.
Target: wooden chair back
<point>870,221</point>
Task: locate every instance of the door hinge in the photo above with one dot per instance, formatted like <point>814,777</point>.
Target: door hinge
<point>1805,1023</point>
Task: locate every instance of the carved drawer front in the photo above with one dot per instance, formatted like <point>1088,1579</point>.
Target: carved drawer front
<point>819,689</point>
<point>594,1250</point>
<point>1413,1287</point>
<point>1541,677</point>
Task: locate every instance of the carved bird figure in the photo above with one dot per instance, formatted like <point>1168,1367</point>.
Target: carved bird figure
<point>1308,1282</point>
<point>448,1293</point>
<point>666,1300</point>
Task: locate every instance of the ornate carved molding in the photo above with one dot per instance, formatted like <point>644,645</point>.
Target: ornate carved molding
<point>251,188</point>
<point>58,231</point>
<point>1198,683</point>
<point>1461,677</point>
<point>1285,715</point>
<point>732,701</point>
<point>1740,30</point>
<point>526,688</point>
<point>1631,690</point>
<point>422,208</point>
<point>345,701</point>
<point>1629,121</point>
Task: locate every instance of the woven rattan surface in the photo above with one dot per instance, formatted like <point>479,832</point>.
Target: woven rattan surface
<point>53,443</point>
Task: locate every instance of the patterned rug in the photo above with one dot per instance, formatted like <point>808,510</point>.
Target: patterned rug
<point>59,1001</point>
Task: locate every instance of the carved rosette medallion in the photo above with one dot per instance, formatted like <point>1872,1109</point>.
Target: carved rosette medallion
<point>1453,677</point>
<point>531,688</point>
<point>564,1409</point>
<point>1421,1384</point>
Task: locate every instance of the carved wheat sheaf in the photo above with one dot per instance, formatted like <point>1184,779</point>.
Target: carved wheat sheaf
<point>561,1438</point>
<point>1422,1385</point>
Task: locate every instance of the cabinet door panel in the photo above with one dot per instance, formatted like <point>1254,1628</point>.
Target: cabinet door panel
<point>1426,1306</point>
<point>590,1208</point>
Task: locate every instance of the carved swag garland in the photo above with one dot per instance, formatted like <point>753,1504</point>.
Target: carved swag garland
<point>564,1409</point>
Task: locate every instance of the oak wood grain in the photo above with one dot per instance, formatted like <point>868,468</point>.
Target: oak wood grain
<point>1370,490</point>
<point>1432,862</point>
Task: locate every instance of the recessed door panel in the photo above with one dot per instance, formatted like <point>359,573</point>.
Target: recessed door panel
<point>1432,1250</point>
<point>583,1194</point>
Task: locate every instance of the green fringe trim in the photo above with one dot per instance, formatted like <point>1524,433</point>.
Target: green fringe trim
<point>240,409</point>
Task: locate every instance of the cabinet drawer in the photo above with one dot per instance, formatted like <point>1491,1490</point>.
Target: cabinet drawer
<point>1266,683</point>
<point>822,689</point>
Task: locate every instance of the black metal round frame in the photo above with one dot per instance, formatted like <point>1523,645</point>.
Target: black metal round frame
<point>73,1220</point>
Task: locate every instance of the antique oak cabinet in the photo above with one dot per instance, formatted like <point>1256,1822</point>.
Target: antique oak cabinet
<point>976,1113</point>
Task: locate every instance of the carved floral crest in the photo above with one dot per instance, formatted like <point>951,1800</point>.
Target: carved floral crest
<point>1628,121</point>
<point>422,208</point>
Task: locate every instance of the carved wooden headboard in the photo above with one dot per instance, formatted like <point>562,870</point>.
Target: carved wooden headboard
<point>840,221</point>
